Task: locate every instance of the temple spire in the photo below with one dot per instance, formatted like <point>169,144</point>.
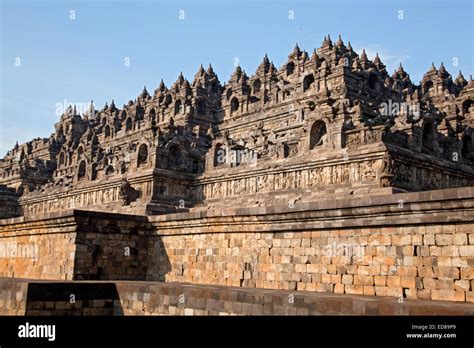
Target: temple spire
<point>296,50</point>
<point>329,40</point>
<point>209,69</point>
<point>181,77</point>
<point>460,80</point>
<point>377,59</point>
<point>144,92</point>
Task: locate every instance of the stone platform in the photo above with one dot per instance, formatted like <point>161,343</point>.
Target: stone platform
<point>30,297</point>
<point>404,246</point>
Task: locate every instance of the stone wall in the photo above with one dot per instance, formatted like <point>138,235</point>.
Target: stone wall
<point>9,206</point>
<point>74,245</point>
<point>410,245</point>
<point>19,297</point>
<point>38,249</point>
<point>413,245</point>
<point>13,297</point>
<point>189,299</point>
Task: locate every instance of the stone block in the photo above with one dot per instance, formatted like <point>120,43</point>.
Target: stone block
<point>363,280</point>
<point>426,272</point>
<point>467,273</point>
<point>369,290</point>
<point>347,279</point>
<point>429,283</point>
<point>339,289</point>
<point>448,295</point>
<point>354,289</point>
<point>408,282</point>
<point>447,272</point>
<point>393,281</point>
<point>460,238</point>
<point>462,285</point>
<point>400,240</point>
<point>380,280</point>
<point>470,296</point>
<point>444,239</point>
<point>312,268</point>
<point>466,250</point>
<point>429,239</point>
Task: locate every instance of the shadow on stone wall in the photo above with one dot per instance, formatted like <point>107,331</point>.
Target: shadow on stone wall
<point>118,247</point>
<point>73,299</point>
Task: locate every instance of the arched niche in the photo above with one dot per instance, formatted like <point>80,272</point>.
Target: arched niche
<point>307,82</point>
<point>468,147</point>
<point>178,107</point>
<point>428,138</point>
<point>128,125</point>
<point>318,135</point>
<point>201,107</point>
<point>290,68</point>
<point>107,131</point>
<point>234,105</point>
<point>256,86</point>
<point>142,155</point>
<point>81,172</point>
<point>80,152</point>
<point>219,155</point>
<point>174,156</point>
<point>62,159</point>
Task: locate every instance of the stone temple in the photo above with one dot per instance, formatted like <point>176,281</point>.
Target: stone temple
<point>249,184</point>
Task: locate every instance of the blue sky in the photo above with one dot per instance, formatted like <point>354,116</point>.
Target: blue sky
<point>76,60</point>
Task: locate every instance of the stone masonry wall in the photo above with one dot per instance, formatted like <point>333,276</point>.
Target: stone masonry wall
<point>74,245</point>
<point>411,245</point>
<point>13,297</point>
<point>111,246</point>
<point>38,249</point>
<point>414,246</point>
<point>91,298</point>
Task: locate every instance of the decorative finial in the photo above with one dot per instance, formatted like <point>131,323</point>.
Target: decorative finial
<point>297,50</point>
<point>209,69</point>
<point>377,59</point>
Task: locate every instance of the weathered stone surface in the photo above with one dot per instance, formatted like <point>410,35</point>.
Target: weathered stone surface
<point>331,124</point>
<point>326,175</point>
<point>257,252</point>
<point>156,298</point>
